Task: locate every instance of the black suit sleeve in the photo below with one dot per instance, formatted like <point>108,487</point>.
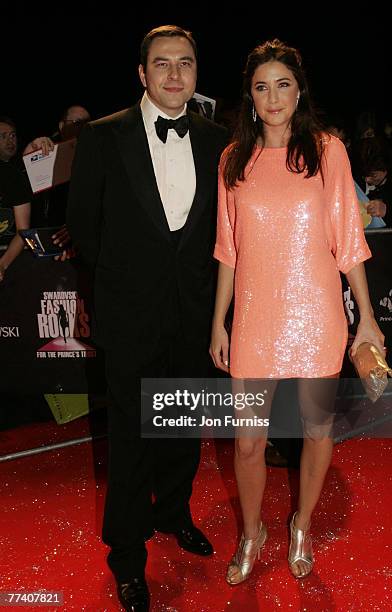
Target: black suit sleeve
<point>84,210</point>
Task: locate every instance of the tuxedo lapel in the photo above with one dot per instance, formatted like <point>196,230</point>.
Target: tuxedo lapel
<point>135,152</point>
<point>201,149</point>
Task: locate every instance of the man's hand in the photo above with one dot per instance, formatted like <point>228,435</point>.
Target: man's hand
<point>66,254</point>
<point>62,238</point>
<point>377,208</point>
<point>43,142</point>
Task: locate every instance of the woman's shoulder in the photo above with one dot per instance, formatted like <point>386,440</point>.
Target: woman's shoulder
<point>227,150</point>
<point>226,154</point>
<point>332,146</point>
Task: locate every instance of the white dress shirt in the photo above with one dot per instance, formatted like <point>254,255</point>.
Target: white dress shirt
<point>174,166</point>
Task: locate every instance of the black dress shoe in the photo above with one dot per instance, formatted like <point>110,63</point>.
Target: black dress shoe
<point>134,595</point>
<point>194,541</point>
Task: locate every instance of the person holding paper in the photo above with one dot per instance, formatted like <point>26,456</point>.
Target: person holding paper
<point>49,206</point>
<point>16,199</point>
<point>141,213</point>
<point>70,125</point>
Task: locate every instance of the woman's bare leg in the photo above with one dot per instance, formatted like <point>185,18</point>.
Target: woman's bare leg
<point>316,399</point>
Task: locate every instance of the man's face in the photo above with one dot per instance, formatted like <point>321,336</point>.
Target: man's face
<point>170,75</point>
<point>8,141</point>
<point>75,119</point>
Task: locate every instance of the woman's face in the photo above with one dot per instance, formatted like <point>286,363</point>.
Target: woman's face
<point>275,93</point>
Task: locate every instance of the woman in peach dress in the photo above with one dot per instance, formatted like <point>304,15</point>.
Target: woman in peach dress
<point>288,223</point>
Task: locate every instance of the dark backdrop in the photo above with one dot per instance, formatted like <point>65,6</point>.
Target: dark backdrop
<point>88,54</point>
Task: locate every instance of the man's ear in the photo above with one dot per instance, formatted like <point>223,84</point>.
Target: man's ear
<point>142,75</point>
<point>61,125</point>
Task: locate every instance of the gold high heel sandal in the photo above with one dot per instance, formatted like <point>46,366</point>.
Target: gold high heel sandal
<point>245,556</point>
<point>300,549</point>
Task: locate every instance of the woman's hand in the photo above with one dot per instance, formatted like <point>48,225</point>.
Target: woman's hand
<point>368,331</point>
<point>219,348</point>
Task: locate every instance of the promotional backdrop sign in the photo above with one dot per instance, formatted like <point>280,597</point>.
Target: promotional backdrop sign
<point>45,329</point>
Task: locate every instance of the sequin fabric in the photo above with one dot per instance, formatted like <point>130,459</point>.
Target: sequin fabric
<point>288,237</point>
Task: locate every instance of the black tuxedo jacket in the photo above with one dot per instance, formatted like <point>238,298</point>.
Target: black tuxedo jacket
<point>144,284</point>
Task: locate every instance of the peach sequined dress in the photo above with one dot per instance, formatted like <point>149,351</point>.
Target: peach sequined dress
<point>287,238</point>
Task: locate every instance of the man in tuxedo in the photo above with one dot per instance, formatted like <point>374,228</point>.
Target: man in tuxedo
<point>142,214</point>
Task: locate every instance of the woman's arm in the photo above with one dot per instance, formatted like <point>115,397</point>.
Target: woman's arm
<point>22,221</point>
<point>219,347</point>
<point>368,330</point>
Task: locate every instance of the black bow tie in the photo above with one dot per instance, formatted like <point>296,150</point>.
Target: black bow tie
<point>181,125</point>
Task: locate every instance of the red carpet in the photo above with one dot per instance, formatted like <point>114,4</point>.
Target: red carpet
<point>51,514</point>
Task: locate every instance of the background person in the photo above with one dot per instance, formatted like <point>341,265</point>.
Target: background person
<point>15,196</point>
<point>49,207</point>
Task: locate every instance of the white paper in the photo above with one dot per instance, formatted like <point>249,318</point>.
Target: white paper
<point>47,171</point>
<point>206,105</point>
<point>40,168</point>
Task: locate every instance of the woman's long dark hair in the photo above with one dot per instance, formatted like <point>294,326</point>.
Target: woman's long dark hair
<point>304,150</point>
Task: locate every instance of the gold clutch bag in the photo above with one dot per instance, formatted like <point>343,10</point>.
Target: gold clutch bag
<point>372,369</point>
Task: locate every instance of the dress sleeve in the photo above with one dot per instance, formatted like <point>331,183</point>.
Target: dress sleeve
<point>225,250</point>
<point>349,245</point>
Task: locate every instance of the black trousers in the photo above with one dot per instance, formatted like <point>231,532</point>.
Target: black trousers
<point>149,480</point>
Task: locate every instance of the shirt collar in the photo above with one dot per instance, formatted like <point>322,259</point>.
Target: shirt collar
<point>151,112</point>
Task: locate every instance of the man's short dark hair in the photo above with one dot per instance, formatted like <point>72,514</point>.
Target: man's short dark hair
<point>374,155</point>
<point>8,121</point>
<point>165,31</point>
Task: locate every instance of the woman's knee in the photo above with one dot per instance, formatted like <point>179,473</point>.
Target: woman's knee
<point>249,448</point>
<point>317,432</point>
